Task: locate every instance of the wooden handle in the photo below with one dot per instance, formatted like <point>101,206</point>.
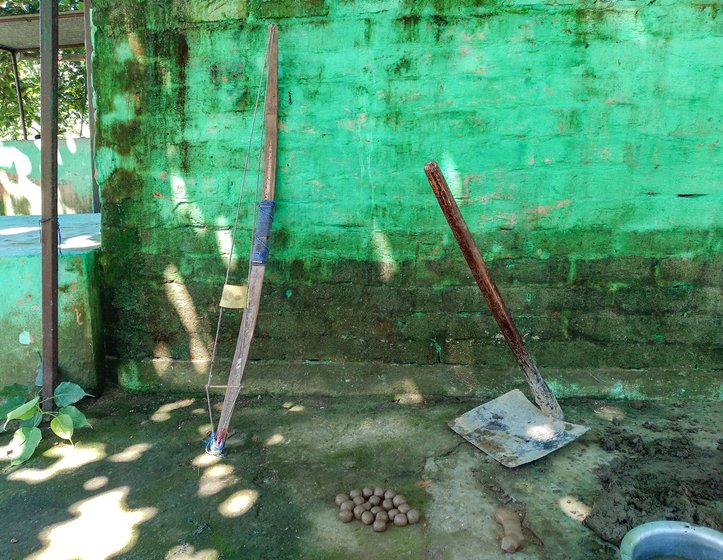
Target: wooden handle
<point>543,396</point>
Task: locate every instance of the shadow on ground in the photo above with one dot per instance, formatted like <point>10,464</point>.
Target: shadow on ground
<point>139,486</point>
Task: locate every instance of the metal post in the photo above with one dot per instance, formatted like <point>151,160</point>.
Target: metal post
<point>19,93</point>
<point>91,108</point>
<point>49,190</point>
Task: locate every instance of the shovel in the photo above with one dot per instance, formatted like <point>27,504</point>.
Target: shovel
<point>509,428</point>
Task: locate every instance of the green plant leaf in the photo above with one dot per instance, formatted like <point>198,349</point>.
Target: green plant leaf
<point>24,443</point>
<point>11,397</point>
<point>68,393</point>
<point>9,404</point>
<point>23,412</point>
<point>33,422</point>
<point>62,425</point>
<point>79,419</point>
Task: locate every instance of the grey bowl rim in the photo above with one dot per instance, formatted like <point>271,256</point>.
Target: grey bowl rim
<point>633,536</point>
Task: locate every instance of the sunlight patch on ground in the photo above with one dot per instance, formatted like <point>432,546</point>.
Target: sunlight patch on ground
<point>574,508</point>
<point>216,478</point>
<point>238,503</point>
<point>102,528</point>
<point>275,439</point>
<point>204,460</point>
<point>204,430</point>
<point>187,551</point>
<point>95,483</point>
<point>5,452</point>
<point>130,454</point>
<point>163,413</point>
<point>610,413</point>
<point>291,407</point>
<point>68,458</point>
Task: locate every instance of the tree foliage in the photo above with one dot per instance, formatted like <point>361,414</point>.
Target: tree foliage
<point>72,98</point>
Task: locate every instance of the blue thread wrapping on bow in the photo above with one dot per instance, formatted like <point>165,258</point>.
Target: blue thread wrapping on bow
<point>213,447</point>
<point>260,251</point>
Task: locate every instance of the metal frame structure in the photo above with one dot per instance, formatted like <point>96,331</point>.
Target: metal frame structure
<point>49,192</point>
<point>50,40</point>
<point>53,35</point>
<point>19,92</point>
<point>91,107</point>
<point>67,26</point>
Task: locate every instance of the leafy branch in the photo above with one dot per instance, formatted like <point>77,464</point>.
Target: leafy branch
<point>63,421</point>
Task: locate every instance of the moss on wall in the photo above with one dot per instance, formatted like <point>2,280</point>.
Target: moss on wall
<point>581,141</point>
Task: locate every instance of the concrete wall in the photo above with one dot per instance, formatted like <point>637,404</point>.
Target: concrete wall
<point>581,140</point>
<point>20,177</point>
<point>80,353</point>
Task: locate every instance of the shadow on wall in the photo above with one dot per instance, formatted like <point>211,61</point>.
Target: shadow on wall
<point>20,177</point>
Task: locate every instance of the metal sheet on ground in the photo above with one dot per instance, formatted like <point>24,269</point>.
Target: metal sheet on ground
<point>511,430</point>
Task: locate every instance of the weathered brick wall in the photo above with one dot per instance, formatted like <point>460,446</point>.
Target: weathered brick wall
<point>580,139</point>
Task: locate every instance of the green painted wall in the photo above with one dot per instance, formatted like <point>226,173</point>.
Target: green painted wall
<point>79,330</point>
<point>20,177</point>
<point>581,139</point>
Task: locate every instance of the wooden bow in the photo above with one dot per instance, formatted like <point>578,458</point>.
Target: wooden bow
<point>259,251</point>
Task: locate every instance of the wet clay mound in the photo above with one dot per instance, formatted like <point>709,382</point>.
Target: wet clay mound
<point>663,479</point>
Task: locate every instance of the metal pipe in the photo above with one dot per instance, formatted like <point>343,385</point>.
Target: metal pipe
<point>91,109</point>
<point>49,191</point>
<point>19,93</point>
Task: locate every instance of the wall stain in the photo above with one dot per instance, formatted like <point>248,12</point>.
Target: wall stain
<point>410,25</point>
<point>400,67</point>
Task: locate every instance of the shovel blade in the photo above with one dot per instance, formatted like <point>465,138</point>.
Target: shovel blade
<point>511,430</point>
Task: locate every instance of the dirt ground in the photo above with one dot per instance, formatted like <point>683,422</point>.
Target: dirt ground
<point>139,485</point>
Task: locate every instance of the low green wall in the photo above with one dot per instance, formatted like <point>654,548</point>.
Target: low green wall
<point>20,177</point>
<point>581,140</point>
<point>80,353</point>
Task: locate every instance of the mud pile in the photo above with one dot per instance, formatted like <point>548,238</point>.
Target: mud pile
<point>666,478</point>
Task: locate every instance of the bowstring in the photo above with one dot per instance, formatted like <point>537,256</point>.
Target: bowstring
<point>235,228</point>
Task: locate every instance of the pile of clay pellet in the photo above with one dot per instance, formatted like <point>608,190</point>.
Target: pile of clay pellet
<point>376,507</point>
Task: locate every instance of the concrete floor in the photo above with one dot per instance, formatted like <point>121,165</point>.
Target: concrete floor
<point>139,486</point>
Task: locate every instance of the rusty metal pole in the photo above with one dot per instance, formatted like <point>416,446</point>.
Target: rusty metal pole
<point>19,93</point>
<point>49,191</point>
<point>91,108</point>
